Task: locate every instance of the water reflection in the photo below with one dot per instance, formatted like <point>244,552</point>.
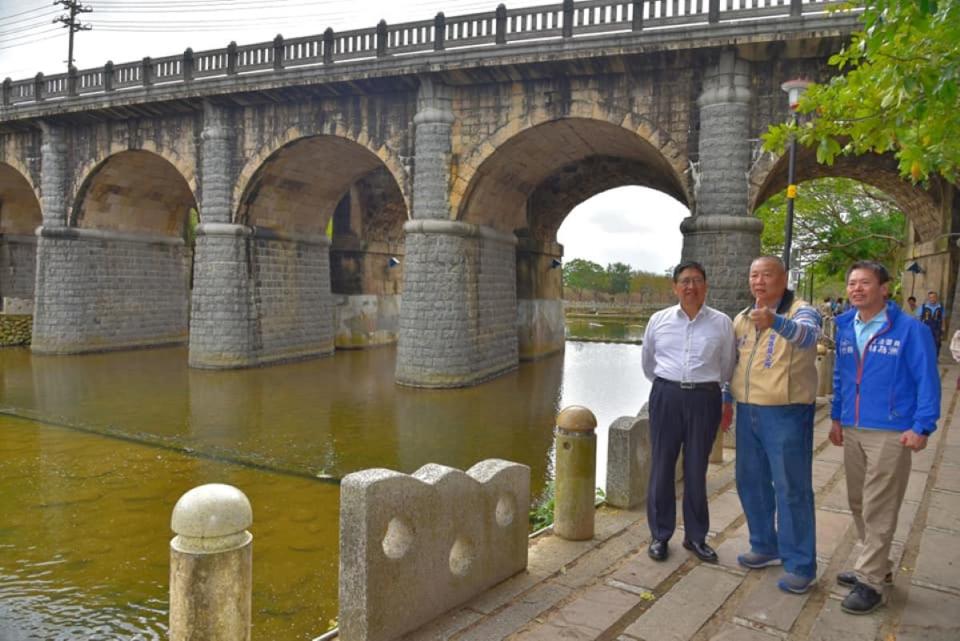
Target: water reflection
<point>605,329</point>
<point>83,541</point>
<point>85,526</point>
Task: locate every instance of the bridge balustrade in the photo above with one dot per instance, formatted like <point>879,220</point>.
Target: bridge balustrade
<point>591,18</point>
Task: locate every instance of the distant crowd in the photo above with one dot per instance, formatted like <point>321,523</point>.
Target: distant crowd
<point>930,312</point>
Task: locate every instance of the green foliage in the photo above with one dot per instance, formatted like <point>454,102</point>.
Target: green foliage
<point>651,287</point>
<point>899,92</point>
<point>618,278</point>
<point>836,221</point>
<point>193,219</point>
<point>541,514</point>
<point>585,275</point>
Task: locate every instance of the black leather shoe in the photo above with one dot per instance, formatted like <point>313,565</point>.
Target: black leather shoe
<point>849,579</point>
<point>862,600</point>
<point>703,551</point>
<point>658,550</point>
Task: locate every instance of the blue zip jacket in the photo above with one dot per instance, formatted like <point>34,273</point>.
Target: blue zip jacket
<point>896,385</point>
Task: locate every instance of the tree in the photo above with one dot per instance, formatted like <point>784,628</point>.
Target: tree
<point>651,287</point>
<point>584,275</point>
<point>836,221</point>
<point>618,278</point>
<point>898,93</point>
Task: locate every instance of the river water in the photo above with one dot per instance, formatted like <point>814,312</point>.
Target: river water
<point>95,450</point>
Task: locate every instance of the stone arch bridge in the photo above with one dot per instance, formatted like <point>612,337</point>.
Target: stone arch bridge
<point>433,161</point>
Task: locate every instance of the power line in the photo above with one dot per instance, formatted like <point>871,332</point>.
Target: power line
<point>23,44</point>
<point>19,21</point>
<point>18,30</point>
<point>32,34</point>
<point>23,13</point>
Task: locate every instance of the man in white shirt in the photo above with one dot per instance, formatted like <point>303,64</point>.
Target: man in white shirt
<point>688,353</point>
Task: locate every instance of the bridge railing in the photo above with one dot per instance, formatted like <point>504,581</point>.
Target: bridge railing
<point>489,29</point>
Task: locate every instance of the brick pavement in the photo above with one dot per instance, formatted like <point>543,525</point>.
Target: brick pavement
<point>608,589</point>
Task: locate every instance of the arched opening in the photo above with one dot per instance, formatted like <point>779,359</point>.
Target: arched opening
<point>125,259</point>
<point>609,259</point>
<point>327,248</point>
<point>532,182</point>
<point>19,218</point>
<point>860,208</point>
<point>137,192</point>
<point>535,178</point>
<point>366,261</point>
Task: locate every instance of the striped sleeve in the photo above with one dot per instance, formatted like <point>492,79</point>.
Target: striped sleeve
<point>803,330</point>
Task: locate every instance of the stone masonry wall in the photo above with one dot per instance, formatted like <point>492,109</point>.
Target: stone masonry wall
<point>221,323</point>
<point>540,321</point>
<point>459,313</point>
<point>727,257</point>
<point>293,305</point>
<point>15,329</point>
<point>18,266</point>
<point>96,292</point>
<point>259,300</point>
<point>496,302</point>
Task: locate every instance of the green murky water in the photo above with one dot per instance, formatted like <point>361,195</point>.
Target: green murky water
<point>95,450</point>
<point>605,329</point>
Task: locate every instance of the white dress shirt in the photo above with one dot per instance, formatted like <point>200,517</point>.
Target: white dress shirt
<point>702,350</point>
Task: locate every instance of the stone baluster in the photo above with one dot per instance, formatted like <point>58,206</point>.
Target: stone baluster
<point>211,565</point>
<point>278,52</point>
<point>439,32</point>
<point>500,34</point>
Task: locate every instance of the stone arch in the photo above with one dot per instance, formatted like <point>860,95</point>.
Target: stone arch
<point>137,191</point>
<point>186,167</point>
<point>922,207</point>
<point>260,169</point>
<point>517,169</point>
<point>20,211</point>
<point>20,216</point>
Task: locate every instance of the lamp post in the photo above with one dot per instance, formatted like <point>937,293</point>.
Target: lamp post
<point>794,89</point>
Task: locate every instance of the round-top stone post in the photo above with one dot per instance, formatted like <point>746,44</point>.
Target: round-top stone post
<point>575,483</point>
<point>211,565</point>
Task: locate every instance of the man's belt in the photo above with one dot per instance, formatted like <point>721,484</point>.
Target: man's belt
<point>686,385</point>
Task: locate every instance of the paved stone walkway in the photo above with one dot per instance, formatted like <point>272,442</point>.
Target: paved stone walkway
<point>609,589</point>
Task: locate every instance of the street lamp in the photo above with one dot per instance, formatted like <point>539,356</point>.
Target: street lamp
<point>794,89</point>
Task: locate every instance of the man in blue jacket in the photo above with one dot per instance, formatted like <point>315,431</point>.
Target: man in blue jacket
<point>886,403</point>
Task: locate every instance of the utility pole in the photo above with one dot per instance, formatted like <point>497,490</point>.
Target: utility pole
<point>71,23</point>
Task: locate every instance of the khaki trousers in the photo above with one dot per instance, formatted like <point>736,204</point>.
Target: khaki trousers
<point>878,469</point>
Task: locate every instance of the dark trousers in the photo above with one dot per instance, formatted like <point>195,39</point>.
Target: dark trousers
<point>687,420</point>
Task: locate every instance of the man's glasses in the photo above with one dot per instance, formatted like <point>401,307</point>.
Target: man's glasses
<point>686,282</point>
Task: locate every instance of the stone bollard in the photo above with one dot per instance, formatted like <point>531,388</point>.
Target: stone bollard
<point>211,565</point>
<point>576,447</point>
<point>825,357</point>
<point>628,461</point>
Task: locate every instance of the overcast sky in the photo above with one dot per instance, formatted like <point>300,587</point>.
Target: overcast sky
<point>632,225</point>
